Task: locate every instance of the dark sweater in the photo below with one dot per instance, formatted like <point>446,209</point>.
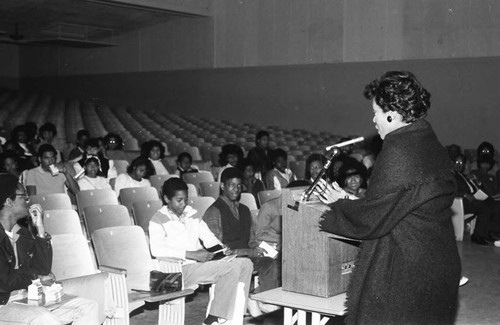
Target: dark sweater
<point>235,233</point>
<point>408,268</point>
<point>35,258</point>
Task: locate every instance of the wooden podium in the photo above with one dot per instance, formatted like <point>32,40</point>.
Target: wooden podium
<point>313,262</point>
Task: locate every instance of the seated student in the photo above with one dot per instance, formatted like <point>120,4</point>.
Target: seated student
<point>486,209</point>
<point>280,176</point>
<point>184,164</point>
<point>484,175</point>
<point>106,167</point>
<point>230,156</point>
<point>250,183</point>
<point>314,165</point>
<point>175,233</point>
<point>268,222</point>
<point>351,178</point>
<point>91,181</point>
<point>260,155</point>
<point>82,137</point>
<point>231,222</point>
<point>8,164</point>
<point>136,175</point>
<point>49,177</point>
<point>155,152</point>
<point>27,255</point>
<point>21,145</point>
<point>114,147</point>
<point>47,134</point>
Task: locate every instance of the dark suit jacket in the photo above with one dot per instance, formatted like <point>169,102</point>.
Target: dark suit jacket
<point>35,258</point>
<point>462,187</point>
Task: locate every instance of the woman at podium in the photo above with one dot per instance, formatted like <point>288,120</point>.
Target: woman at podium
<point>408,268</point>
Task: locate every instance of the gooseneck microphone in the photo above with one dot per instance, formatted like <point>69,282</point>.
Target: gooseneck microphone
<point>336,152</point>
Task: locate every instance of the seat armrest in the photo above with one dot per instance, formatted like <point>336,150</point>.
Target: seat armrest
<point>155,297</point>
<point>92,287</point>
<point>112,269</point>
<point>170,259</point>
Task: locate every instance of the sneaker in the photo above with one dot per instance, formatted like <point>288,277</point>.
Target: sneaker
<point>214,320</point>
<point>497,243</point>
<point>463,281</point>
<point>253,308</point>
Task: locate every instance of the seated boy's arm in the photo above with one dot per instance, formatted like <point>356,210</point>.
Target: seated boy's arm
<point>206,235</point>
<point>212,218</point>
<point>161,245</point>
<point>199,255</point>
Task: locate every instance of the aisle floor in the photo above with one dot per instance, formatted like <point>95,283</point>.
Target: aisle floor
<point>479,300</point>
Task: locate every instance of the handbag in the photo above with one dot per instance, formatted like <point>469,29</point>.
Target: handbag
<point>165,282</point>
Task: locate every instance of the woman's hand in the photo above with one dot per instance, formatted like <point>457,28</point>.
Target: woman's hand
<point>327,193</point>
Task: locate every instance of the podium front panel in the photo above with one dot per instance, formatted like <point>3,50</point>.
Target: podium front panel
<point>313,262</point>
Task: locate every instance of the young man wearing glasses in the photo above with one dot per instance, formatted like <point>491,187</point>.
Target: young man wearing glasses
<point>25,255</point>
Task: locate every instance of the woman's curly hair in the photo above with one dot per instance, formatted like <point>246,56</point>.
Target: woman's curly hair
<point>400,91</point>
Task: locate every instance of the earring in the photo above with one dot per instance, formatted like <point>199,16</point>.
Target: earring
<point>389,119</point>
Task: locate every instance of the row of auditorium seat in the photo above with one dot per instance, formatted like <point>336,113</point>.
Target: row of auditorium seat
<point>180,133</point>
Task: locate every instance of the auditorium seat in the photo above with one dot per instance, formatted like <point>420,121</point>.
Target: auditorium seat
<point>249,200</point>
<point>111,243</point>
<point>143,211</point>
<point>62,221</point>
<point>52,201</point>
<point>128,196</point>
<point>210,189</point>
<point>200,204</point>
<point>102,216</point>
<point>89,198</point>
<point>268,195</point>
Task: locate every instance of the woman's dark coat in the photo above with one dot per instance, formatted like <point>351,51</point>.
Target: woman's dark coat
<point>408,268</point>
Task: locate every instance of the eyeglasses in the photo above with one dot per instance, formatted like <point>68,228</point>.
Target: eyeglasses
<point>26,196</point>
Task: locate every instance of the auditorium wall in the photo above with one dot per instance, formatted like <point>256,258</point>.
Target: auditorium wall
<point>9,66</point>
<point>295,63</point>
<point>321,97</point>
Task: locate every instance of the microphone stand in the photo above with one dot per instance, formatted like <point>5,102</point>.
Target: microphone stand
<point>310,190</point>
